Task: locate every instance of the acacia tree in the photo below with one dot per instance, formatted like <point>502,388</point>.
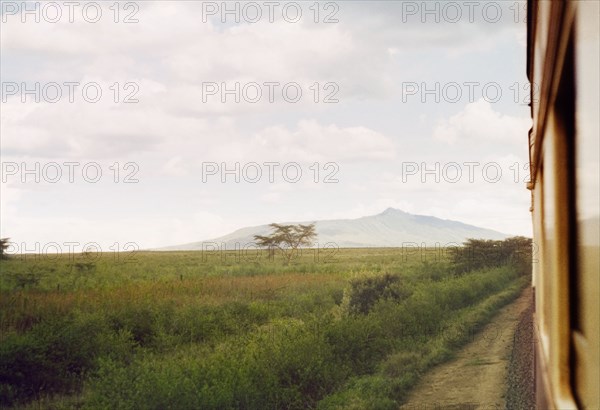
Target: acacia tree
<point>3,246</point>
<point>287,238</point>
<point>487,253</point>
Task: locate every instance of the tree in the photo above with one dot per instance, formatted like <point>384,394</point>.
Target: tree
<point>487,253</point>
<point>4,244</point>
<point>287,238</point>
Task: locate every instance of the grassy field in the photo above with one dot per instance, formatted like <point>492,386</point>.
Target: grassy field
<point>348,328</point>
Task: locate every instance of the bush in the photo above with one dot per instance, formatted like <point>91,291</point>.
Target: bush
<point>481,253</point>
<point>365,292</point>
<point>55,355</point>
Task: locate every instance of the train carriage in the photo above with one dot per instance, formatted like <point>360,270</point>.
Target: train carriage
<point>563,67</point>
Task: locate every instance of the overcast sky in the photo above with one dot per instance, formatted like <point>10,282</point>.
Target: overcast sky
<point>388,90</point>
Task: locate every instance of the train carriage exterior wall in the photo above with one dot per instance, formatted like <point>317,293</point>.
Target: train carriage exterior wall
<point>563,62</point>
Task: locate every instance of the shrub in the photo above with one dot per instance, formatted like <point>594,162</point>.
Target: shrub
<point>365,292</point>
<point>484,253</point>
<point>55,355</point>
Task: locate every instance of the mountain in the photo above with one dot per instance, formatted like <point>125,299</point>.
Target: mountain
<point>391,228</point>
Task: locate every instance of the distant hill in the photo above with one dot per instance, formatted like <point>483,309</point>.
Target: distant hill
<point>391,228</point>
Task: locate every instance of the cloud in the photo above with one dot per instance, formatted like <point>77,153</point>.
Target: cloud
<point>479,122</point>
<point>9,202</point>
<point>175,167</point>
<point>312,141</point>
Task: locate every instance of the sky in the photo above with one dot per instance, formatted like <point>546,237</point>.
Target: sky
<point>155,123</point>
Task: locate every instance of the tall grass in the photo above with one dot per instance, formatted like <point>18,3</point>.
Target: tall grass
<point>182,330</point>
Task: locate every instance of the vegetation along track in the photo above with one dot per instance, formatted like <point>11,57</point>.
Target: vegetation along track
<point>477,377</point>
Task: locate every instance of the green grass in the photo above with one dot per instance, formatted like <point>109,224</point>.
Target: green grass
<point>351,329</point>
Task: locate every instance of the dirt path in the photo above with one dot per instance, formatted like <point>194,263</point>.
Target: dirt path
<point>476,379</point>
